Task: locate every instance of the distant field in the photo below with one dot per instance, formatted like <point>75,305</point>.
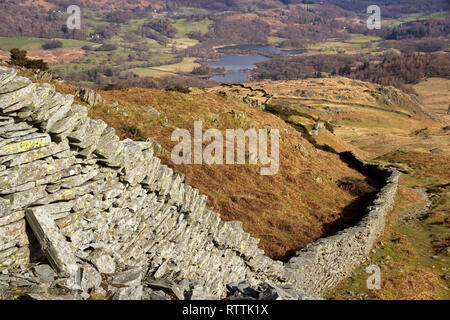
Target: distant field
<point>273,40</point>
<point>357,38</point>
<point>32,44</point>
<point>191,11</point>
<point>184,43</point>
<point>435,95</point>
<point>357,44</point>
<point>132,25</point>
<point>187,65</point>
<point>416,17</point>
<point>184,27</point>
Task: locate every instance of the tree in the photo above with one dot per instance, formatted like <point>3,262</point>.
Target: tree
<point>19,58</point>
<point>52,44</point>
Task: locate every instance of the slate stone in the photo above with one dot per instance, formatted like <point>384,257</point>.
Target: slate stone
<point>102,261</point>
<point>44,272</point>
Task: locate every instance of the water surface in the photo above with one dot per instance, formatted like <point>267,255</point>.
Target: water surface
<point>237,76</point>
<point>235,62</point>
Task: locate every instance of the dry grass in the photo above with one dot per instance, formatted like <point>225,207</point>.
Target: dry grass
<point>374,131</point>
<point>64,55</point>
<point>435,95</point>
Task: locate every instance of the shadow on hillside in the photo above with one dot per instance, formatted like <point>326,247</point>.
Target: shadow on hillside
<point>351,214</point>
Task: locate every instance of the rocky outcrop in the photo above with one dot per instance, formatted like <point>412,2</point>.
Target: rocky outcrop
<point>90,97</point>
<point>98,205</point>
<point>319,125</point>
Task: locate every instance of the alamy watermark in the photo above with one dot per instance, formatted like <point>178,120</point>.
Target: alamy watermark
<point>374,21</point>
<point>74,20</point>
<point>374,281</point>
<point>235,147</point>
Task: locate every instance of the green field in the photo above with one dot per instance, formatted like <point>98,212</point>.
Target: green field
<point>36,43</point>
<point>358,44</point>
<point>416,17</point>
<point>185,11</point>
<point>184,27</point>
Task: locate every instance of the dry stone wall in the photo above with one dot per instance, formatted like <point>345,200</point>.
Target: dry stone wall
<point>323,264</point>
<point>88,196</point>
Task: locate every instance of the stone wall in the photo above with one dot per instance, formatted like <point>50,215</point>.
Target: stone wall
<point>114,197</point>
<point>323,264</point>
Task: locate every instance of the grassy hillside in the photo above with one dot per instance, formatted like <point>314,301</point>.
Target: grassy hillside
<point>393,129</point>
<point>435,93</point>
<point>373,118</point>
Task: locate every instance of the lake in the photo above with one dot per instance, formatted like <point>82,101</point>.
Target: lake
<point>239,63</point>
<point>236,62</point>
<point>237,76</point>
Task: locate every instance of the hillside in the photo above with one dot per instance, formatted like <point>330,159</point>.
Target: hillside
<point>392,128</point>
<point>363,114</point>
<point>272,208</point>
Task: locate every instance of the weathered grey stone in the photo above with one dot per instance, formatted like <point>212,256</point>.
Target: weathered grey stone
<point>23,199</point>
<point>6,120</point>
<point>53,243</point>
<point>12,217</point>
<point>33,155</point>
<point>90,278</point>
<point>155,295</point>
<point>102,261</point>
<point>153,112</point>
<point>129,293</point>
<point>158,149</point>
<point>14,127</point>
<point>6,76</point>
<point>18,99</point>
<point>108,144</point>
<point>13,235</point>
<point>13,83</point>
<point>166,285</point>
<point>49,297</point>
<point>14,256</point>
<point>201,293</point>
<point>87,133</point>
<point>47,104</point>
<point>90,96</point>
<point>131,277</point>
<point>4,209</point>
<point>23,144</point>
<point>70,121</point>
<point>44,272</point>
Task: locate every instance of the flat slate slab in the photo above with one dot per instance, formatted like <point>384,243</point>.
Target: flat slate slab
<point>53,243</point>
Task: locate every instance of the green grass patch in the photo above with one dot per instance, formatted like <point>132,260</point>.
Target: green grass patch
<point>31,44</point>
<point>185,27</point>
